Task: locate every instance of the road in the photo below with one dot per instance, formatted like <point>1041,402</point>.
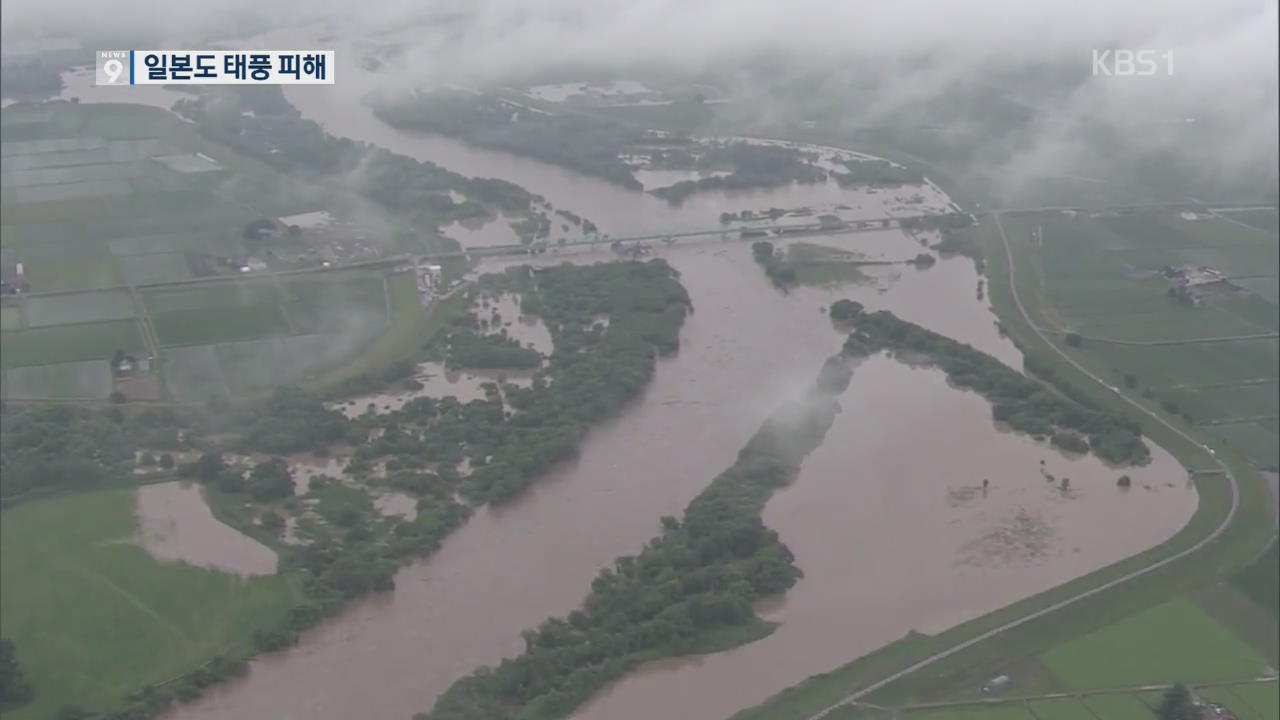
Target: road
<point>1185,341</point>
<point>1217,531</point>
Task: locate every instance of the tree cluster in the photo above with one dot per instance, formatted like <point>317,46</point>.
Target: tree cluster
<point>751,166</point>
<point>876,173</point>
<point>471,350</point>
<point>590,145</point>
<point>775,267</point>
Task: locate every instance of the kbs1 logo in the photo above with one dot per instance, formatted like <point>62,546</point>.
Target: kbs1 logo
<point>1132,63</point>
<point>215,67</point>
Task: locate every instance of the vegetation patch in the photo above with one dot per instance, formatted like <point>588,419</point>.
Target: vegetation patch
<point>470,350</point>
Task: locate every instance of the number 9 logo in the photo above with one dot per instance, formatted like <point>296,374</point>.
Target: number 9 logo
<point>113,69</point>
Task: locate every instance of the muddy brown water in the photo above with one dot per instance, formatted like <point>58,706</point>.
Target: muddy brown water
<point>894,533</point>
<point>175,524</point>
<point>744,350</point>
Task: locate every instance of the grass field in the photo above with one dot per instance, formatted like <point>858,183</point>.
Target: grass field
<point>10,317</point>
<point>194,373</point>
<point>1118,707</point>
<point>1262,698</point>
<point>1172,642</point>
<point>334,302</point>
<point>1057,709</point>
<point>123,619</point>
<point>70,343</point>
<point>1260,581</point>
<point>218,324</point>
<point>91,379</point>
<point>66,309</point>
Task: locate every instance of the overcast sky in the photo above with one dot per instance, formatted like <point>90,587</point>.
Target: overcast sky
<point>1224,52</point>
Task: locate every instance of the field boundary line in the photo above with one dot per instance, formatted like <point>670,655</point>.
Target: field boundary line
<point>1103,587</point>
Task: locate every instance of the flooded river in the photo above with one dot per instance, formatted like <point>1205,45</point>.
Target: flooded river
<point>887,518</point>
<point>894,533</point>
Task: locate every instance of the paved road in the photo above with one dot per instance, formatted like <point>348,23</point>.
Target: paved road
<point>1226,521</point>
<point>1186,341</point>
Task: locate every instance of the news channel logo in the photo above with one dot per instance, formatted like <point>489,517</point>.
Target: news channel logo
<point>113,67</point>
<point>1129,62</point>
<point>215,67</point>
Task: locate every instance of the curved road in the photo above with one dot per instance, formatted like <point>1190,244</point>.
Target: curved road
<point>1235,502</point>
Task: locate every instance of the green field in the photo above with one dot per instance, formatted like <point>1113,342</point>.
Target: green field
<point>123,619</point>
<point>1099,277</point>
<point>86,307</point>
<point>1263,699</point>
<point>70,343</point>
<point>1118,707</point>
<point>194,373</point>
<point>1260,581</point>
<point>91,379</point>
<point>1058,709</point>
<point>218,324</point>
<point>1172,642</point>
<point>334,302</point>
<point>10,317</point>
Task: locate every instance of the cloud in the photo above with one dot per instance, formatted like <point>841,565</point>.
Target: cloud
<point>882,62</point>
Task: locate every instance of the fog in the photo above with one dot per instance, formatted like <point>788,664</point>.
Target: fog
<point>866,64</point>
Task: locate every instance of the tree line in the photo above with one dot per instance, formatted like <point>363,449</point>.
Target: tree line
<point>1026,405</point>
<point>277,134</point>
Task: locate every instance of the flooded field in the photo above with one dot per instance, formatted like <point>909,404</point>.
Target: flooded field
<point>904,477</point>
<point>482,232</point>
<point>396,503</point>
<point>175,524</point>
<point>306,467</point>
<point>436,382</point>
<point>505,316</point>
<point>891,525</point>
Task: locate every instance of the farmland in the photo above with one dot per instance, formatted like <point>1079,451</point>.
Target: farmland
<point>1173,641</point>
<point>118,222</point>
<point>146,622</point>
<point>1209,365</point>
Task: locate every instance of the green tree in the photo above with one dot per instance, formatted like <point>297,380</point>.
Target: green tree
<point>272,522</point>
<point>271,480</point>
<point>1178,704</point>
<point>845,309</point>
